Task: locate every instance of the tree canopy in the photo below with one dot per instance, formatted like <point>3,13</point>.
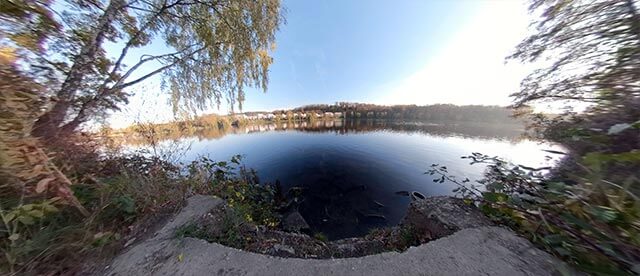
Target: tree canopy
<point>590,50</point>
<point>205,51</point>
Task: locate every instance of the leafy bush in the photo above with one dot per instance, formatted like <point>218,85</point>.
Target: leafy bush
<point>583,218</point>
<point>239,186</point>
<point>42,232</point>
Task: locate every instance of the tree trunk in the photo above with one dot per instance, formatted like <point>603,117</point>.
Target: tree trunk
<point>48,126</point>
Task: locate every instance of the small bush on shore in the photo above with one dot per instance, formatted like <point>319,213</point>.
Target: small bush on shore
<point>583,218</point>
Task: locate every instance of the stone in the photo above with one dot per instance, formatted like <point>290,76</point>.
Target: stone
<point>294,222</point>
<point>284,248</point>
<point>477,248</point>
<point>437,217</point>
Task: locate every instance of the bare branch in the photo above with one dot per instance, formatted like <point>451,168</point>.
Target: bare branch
<point>176,61</point>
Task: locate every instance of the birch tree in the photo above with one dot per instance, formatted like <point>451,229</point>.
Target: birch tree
<point>211,50</point>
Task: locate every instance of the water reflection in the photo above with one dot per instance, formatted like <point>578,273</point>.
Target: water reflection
<point>351,172</point>
<point>444,129</point>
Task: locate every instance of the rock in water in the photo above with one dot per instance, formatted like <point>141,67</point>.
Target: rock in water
<point>294,222</point>
<point>417,196</point>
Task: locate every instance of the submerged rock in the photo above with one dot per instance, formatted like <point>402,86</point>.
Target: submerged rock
<point>415,195</point>
<point>375,216</point>
<point>294,222</point>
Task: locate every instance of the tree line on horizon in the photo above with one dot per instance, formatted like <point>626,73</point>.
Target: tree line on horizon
<point>441,113</point>
<point>435,112</point>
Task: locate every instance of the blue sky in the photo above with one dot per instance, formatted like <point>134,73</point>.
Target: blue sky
<point>384,52</point>
<point>341,50</point>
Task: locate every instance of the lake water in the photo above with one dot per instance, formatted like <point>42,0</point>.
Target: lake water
<point>353,173</point>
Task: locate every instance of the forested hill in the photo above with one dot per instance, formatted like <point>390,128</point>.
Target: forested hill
<point>437,112</point>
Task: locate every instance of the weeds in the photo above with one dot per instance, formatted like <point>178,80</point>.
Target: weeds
<point>240,187</point>
<point>120,192</point>
<point>228,231</point>
<point>584,219</point>
<point>321,237</point>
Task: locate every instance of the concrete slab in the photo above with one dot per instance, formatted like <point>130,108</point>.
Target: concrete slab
<point>483,250</point>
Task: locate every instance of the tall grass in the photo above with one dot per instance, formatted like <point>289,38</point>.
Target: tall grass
<point>65,205</point>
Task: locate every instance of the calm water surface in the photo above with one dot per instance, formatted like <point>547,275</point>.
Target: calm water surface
<point>352,172</point>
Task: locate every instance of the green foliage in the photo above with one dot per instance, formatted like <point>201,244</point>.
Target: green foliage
<point>255,201</point>
<point>215,50</point>
<point>125,204</point>
<point>20,227</point>
<point>597,161</point>
<point>214,46</point>
<point>187,230</point>
<point>589,221</point>
<point>42,235</point>
<point>321,237</point>
<point>407,238</point>
<point>33,189</point>
<point>587,211</point>
<point>607,76</point>
<point>231,52</point>
<point>605,85</point>
<point>431,113</point>
<point>102,239</point>
<point>229,233</point>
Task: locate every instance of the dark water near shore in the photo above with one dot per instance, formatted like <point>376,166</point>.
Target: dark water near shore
<point>353,173</point>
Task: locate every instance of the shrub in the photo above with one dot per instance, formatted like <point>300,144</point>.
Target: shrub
<point>240,187</point>
<point>42,232</point>
<point>583,218</point>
